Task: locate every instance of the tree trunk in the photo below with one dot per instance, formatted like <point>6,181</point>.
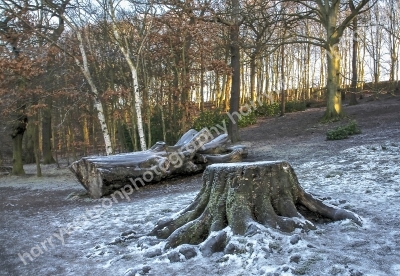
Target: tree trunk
<point>138,108</point>
<point>394,66</point>
<point>36,148</point>
<point>18,130</point>
<point>219,96</point>
<point>135,85</point>
<point>28,144</point>
<point>202,83</point>
<point>244,93</point>
<point>227,88</point>
<point>85,131</point>
<point>102,175</point>
<point>46,133</point>
<point>354,79</point>
<point>233,127</point>
<point>96,96</point>
<point>334,99</point>
<point>283,94</point>
<point>245,196</point>
<point>322,77</point>
<point>308,62</point>
<point>253,75</point>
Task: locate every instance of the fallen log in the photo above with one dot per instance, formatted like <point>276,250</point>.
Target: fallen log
<point>102,175</point>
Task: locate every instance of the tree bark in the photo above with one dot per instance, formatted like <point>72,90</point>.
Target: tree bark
<point>47,153</point>
<point>28,144</point>
<point>96,96</point>
<point>137,97</point>
<point>334,97</point>
<point>253,68</point>
<point>101,175</point>
<point>283,92</point>
<point>354,79</point>
<point>36,148</point>
<point>233,127</point>
<point>18,130</point>
<point>243,196</point>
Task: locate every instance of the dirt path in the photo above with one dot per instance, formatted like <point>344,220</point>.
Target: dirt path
<point>35,209</point>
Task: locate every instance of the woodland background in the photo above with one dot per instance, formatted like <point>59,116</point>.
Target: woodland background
<point>103,77</point>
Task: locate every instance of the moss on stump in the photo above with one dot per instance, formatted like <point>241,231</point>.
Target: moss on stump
<point>242,194</point>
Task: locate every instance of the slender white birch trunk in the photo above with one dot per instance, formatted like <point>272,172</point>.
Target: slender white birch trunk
<point>135,86</point>
<point>86,72</point>
<point>97,104</point>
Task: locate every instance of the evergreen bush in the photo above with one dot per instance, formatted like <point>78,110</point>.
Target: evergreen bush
<point>340,133</point>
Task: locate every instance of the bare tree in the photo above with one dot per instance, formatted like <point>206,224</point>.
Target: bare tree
<point>124,47</point>
<point>75,21</point>
<point>374,41</point>
<point>354,67</point>
<point>393,39</point>
<point>334,16</point>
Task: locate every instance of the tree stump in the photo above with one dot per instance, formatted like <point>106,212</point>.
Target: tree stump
<point>242,194</point>
<point>102,175</point>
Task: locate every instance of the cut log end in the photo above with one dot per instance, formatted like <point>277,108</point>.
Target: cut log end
<point>241,195</point>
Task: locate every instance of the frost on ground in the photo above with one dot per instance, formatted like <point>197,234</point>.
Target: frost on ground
<point>364,179</point>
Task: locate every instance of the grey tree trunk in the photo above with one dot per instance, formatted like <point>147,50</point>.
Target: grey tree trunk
<point>253,72</point>
<point>242,196</point>
<point>17,133</point>
<point>28,144</point>
<point>354,79</point>
<point>283,92</point>
<point>36,148</point>
<point>233,127</point>
<point>46,133</point>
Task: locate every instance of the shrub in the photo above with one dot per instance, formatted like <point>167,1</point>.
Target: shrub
<point>248,120</point>
<point>209,119</point>
<point>268,109</point>
<point>340,133</point>
<point>275,108</point>
<point>352,128</point>
<point>294,106</point>
<point>213,117</point>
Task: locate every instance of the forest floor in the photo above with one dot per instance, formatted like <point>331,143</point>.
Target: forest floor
<point>361,173</point>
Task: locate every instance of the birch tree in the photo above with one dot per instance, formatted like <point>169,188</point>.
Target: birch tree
<point>73,20</point>
<point>124,47</point>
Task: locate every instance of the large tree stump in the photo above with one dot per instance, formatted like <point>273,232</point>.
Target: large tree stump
<point>243,194</point>
<point>102,175</point>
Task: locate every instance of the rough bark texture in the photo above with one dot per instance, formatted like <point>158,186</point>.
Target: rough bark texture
<point>233,127</point>
<point>101,175</point>
<point>334,97</point>
<point>46,134</point>
<point>17,133</point>
<point>354,67</point>
<point>241,196</point>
